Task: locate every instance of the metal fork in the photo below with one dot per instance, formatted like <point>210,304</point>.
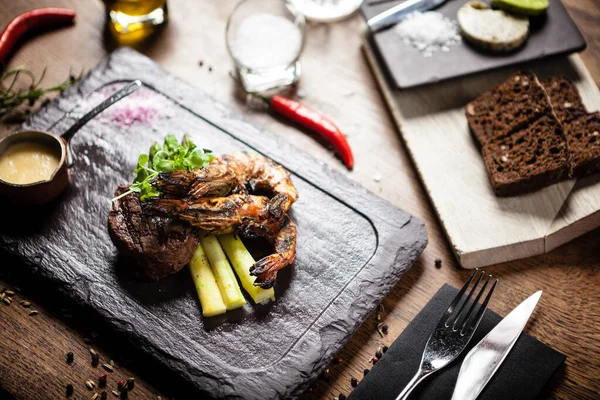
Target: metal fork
<point>453,332</point>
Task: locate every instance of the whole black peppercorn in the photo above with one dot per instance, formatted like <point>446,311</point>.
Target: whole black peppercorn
<point>70,357</point>
<point>130,383</point>
<point>438,262</point>
<point>342,397</point>
<point>378,354</point>
<point>366,371</point>
<point>103,396</point>
<point>354,382</point>
<point>384,328</point>
<point>95,359</point>
<point>123,393</point>
<point>385,348</point>
<point>69,389</point>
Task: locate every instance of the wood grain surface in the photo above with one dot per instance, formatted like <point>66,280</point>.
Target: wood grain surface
<point>338,82</point>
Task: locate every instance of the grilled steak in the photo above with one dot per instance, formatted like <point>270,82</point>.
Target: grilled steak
<point>156,246</point>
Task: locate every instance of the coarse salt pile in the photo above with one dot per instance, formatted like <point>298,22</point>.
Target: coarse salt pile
<point>266,41</point>
<point>429,32</point>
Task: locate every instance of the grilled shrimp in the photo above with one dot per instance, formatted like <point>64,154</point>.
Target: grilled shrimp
<point>238,172</point>
<point>248,215</point>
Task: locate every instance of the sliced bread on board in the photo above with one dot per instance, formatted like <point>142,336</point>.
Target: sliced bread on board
<point>530,158</point>
<point>564,98</point>
<point>508,107</point>
<point>583,135</point>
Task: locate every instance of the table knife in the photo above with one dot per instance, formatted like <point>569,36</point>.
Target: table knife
<point>398,12</point>
<point>483,360</point>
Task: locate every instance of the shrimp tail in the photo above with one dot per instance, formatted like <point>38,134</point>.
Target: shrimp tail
<point>266,280</point>
<point>266,268</point>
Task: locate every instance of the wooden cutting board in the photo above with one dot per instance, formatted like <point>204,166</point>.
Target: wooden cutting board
<point>554,33</point>
<point>352,246</point>
<point>484,229</point>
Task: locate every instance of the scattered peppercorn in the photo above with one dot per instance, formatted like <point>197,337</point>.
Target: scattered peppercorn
<point>95,359</point>
<point>102,380</point>
<point>354,382</point>
<point>366,371</point>
<point>209,69</point>
<point>384,329</point>
<point>338,360</point>
<point>374,360</point>
<point>378,354</point>
<point>200,63</point>
<point>384,348</point>
<point>121,384</point>
<point>103,396</point>
<point>130,383</point>
<point>438,262</point>
<point>124,393</point>
<point>70,357</point>
<point>69,390</point>
<point>342,397</point>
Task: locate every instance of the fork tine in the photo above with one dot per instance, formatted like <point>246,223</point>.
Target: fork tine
<point>473,322</point>
<point>457,315</point>
<point>464,319</point>
<point>458,297</point>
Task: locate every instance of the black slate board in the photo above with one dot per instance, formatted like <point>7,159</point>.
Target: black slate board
<point>550,35</point>
<point>352,246</point>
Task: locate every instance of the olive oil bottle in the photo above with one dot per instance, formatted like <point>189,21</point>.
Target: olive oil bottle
<point>133,20</point>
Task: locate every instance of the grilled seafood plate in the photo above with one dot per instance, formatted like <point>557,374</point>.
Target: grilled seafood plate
<point>242,193</point>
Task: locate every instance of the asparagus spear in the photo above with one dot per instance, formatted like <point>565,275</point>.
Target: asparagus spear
<point>230,290</point>
<point>206,285</point>
<point>242,260</point>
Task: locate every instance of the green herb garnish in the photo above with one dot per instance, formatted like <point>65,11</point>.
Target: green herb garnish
<point>170,156</point>
<point>14,101</point>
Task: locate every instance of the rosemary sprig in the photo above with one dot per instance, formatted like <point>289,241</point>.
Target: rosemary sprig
<point>12,101</point>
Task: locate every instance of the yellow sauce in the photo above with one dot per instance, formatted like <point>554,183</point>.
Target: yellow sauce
<point>27,162</point>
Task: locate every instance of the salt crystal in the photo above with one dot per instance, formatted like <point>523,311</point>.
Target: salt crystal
<point>428,32</point>
<point>266,41</point>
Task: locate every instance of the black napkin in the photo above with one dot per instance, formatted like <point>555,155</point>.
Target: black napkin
<point>522,375</point>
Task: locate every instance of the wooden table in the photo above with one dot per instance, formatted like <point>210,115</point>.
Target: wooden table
<point>338,82</point>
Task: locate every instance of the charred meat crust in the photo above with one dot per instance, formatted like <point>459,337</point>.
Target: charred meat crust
<point>154,246</point>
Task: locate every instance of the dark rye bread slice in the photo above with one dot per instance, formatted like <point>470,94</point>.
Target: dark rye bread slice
<point>508,107</point>
<point>564,98</point>
<point>583,136</point>
<point>530,158</point>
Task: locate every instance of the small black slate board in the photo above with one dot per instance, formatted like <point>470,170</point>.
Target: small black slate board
<point>352,246</point>
<point>551,34</point>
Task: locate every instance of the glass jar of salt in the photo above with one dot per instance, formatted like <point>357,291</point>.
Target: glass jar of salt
<point>265,39</point>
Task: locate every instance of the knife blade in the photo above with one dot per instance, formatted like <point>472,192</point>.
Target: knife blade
<point>483,360</point>
<point>398,12</point>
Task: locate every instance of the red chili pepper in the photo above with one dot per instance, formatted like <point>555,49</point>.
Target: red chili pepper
<point>316,122</point>
<point>32,21</point>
